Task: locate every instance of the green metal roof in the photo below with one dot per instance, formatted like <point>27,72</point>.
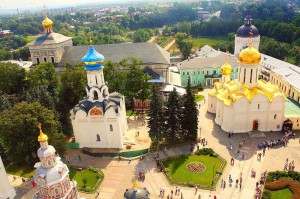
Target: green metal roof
<point>292,109</point>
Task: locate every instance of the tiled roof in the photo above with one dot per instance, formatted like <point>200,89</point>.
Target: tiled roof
<point>149,53</point>
<point>52,38</point>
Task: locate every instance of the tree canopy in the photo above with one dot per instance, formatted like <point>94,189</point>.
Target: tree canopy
<point>19,131</point>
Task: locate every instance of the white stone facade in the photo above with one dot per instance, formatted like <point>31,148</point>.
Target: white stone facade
<point>6,190</point>
<point>99,121</point>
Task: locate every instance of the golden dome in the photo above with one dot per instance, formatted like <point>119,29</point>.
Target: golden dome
<point>249,55</point>
<point>226,69</point>
<point>42,137</point>
<point>47,23</point>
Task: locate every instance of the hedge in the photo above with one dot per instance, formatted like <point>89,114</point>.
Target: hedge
<point>285,183</point>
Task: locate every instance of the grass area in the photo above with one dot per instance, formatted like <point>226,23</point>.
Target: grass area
<point>93,178</point>
<point>211,41</point>
<point>282,194</point>
<point>198,98</point>
<point>129,113</point>
<point>177,169</point>
<point>29,39</point>
<point>20,170</point>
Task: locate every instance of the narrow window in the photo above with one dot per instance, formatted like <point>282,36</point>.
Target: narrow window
<point>45,59</point>
<point>244,75</point>
<point>293,95</point>
<point>198,72</point>
<point>203,72</point>
<point>111,127</point>
<point>52,60</point>
<point>194,73</point>
<point>187,73</point>
<point>251,76</point>
<point>257,106</point>
<point>182,73</point>
<point>215,71</point>
<point>206,72</point>
<point>38,60</point>
<point>95,95</point>
<point>98,138</point>
<point>275,116</point>
<point>96,79</point>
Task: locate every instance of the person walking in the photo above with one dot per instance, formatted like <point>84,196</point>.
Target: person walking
<point>222,181</point>
<point>236,183</point>
<point>224,185</point>
<point>196,189</point>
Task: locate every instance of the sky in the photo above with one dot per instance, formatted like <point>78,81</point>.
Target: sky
<point>14,4</point>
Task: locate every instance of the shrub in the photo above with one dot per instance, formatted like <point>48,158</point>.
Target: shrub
<point>191,184</point>
<point>206,151</point>
<point>266,194</point>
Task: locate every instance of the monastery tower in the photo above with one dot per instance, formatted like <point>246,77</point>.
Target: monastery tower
<point>52,175</point>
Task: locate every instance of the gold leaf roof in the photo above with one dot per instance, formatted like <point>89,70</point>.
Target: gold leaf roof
<point>231,91</point>
<point>226,69</point>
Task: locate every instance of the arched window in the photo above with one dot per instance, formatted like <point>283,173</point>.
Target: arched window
<point>95,95</point>
<point>98,138</point>
<point>275,116</point>
<point>215,71</point>
<point>111,127</point>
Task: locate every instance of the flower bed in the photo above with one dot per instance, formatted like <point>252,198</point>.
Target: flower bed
<point>285,183</point>
<point>178,174</point>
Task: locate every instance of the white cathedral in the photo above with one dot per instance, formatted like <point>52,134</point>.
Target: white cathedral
<point>246,104</point>
<point>99,120</point>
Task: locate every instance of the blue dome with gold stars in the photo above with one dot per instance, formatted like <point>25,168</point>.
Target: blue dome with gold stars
<point>93,60</point>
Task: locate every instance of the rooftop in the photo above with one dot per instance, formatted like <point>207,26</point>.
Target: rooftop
<point>292,109</point>
<point>52,38</point>
<point>149,53</point>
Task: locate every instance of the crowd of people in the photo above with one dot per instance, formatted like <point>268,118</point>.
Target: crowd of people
<point>289,166</point>
<point>279,142</point>
<point>260,184</point>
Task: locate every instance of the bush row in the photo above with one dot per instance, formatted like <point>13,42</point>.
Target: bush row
<point>206,151</point>
<point>285,183</point>
<point>283,174</point>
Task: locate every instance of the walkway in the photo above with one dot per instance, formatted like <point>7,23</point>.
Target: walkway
<point>167,47</point>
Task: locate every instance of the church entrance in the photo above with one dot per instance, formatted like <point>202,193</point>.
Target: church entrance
<point>255,125</point>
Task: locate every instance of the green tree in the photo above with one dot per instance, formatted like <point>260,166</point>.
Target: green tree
<point>12,78</point>
<point>186,48</point>
<point>155,114</point>
<point>189,114</point>
<point>44,74</point>
<point>136,79</point>
<point>72,89</point>
<point>115,79</point>
<point>173,117</point>
<point>19,131</point>
<point>141,36</point>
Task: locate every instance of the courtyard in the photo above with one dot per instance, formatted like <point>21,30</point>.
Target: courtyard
<point>120,175</point>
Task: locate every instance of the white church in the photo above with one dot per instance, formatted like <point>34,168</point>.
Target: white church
<point>246,104</point>
<point>99,120</point>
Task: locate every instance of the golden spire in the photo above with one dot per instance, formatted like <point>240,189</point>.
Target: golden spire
<point>42,137</point>
<point>90,35</point>
<point>226,68</point>
<point>47,23</point>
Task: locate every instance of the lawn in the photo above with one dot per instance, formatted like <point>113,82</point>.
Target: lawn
<point>163,41</point>
<point>129,113</point>
<point>282,194</point>
<point>198,98</point>
<point>178,169</point>
<point>211,41</point>
<point>91,176</point>
<point>20,170</point>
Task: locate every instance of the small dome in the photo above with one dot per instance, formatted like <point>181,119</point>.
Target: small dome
<point>249,55</point>
<point>226,69</point>
<point>244,30</point>
<point>93,60</point>
<point>42,137</point>
<point>50,151</point>
<point>47,23</point>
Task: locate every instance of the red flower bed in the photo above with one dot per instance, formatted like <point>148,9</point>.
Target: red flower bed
<point>285,183</point>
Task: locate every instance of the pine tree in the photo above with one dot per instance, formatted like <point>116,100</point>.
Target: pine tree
<point>172,117</point>
<point>155,121</point>
<point>189,114</point>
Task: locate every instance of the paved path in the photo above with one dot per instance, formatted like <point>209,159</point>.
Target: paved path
<point>167,47</point>
<point>152,39</point>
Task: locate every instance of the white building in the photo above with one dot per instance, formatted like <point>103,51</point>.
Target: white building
<point>242,36</point>
<point>99,120</point>
<point>52,175</point>
<point>6,190</point>
<point>246,104</point>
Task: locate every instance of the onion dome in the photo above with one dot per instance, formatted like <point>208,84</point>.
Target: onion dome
<point>249,55</point>
<point>47,23</point>
<point>42,137</point>
<point>93,60</point>
<point>244,30</point>
<point>226,69</point>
